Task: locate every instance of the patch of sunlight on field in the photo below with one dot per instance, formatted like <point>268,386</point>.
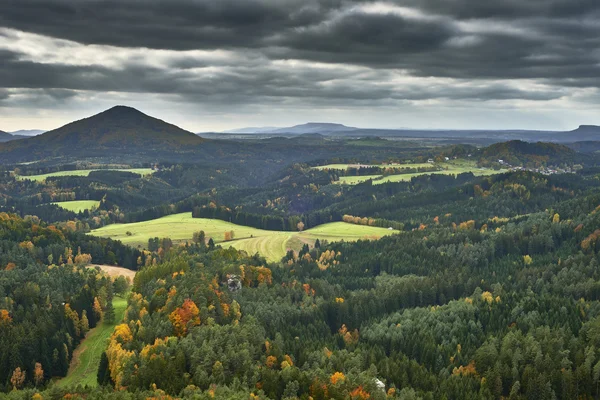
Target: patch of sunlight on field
<point>78,206</point>
<point>178,227</point>
<point>452,167</point>
<point>82,172</point>
<point>346,166</point>
<point>270,244</point>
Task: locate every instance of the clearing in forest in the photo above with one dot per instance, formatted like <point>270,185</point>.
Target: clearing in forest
<point>78,206</point>
<point>86,358</point>
<point>83,172</point>
<point>270,244</point>
<point>346,166</point>
<point>453,167</point>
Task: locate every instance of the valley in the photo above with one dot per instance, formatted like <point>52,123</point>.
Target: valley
<point>299,200</point>
<point>254,267</point>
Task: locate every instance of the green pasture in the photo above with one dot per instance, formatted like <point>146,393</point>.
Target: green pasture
<point>78,206</point>
<point>82,172</point>
<point>86,358</point>
<point>346,166</point>
<point>271,244</point>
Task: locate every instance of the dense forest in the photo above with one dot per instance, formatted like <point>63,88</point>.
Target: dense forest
<point>488,288</point>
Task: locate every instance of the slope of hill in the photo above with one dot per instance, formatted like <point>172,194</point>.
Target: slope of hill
<point>120,128</point>
<point>519,153</point>
<point>7,137</point>
<point>584,133</point>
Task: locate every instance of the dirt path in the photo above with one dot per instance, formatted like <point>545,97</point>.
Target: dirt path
<point>115,271</point>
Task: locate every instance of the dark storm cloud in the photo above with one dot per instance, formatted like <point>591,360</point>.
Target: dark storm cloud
<point>241,84</point>
<point>558,43</point>
<point>467,9</point>
<point>550,42</point>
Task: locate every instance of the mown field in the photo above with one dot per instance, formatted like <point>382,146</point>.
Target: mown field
<point>270,244</point>
<point>78,205</point>
<point>346,166</point>
<point>86,358</point>
<point>83,172</point>
<point>454,167</point>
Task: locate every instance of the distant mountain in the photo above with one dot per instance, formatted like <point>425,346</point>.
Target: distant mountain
<point>119,129</point>
<point>7,137</point>
<point>584,133</point>
<point>252,130</point>
<point>311,127</point>
<point>27,132</point>
<point>315,127</point>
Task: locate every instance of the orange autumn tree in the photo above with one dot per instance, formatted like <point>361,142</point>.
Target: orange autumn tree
<point>38,374</point>
<point>18,378</point>
<point>337,377</point>
<point>5,317</point>
<point>184,315</point>
<point>360,393</point>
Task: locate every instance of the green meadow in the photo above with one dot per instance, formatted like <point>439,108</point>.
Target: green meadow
<point>270,244</point>
<point>86,358</point>
<point>82,172</point>
<point>454,167</point>
<point>78,206</point>
<point>346,166</point>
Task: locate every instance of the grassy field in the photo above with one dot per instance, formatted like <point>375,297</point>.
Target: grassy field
<point>453,167</point>
<point>178,227</point>
<point>78,205</point>
<point>86,358</point>
<point>346,166</point>
<point>270,244</point>
<point>82,172</point>
<point>353,180</point>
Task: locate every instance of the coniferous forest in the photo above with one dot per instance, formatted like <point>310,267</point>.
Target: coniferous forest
<point>456,280</point>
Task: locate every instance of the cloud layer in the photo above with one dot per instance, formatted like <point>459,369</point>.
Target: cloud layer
<point>218,61</point>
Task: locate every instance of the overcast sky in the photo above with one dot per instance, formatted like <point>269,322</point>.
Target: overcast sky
<point>211,65</point>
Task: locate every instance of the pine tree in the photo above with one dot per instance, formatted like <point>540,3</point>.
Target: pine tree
<point>109,312</point>
<point>103,376</point>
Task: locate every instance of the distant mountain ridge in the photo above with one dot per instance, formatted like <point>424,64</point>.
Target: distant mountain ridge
<point>310,127</point>
<point>582,133</point>
<point>27,132</point>
<point>120,128</point>
<point>7,137</point>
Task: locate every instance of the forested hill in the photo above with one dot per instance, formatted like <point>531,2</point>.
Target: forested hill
<point>519,153</point>
<point>7,137</point>
<point>119,128</point>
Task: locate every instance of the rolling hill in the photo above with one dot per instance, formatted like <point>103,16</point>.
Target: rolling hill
<point>519,153</point>
<point>119,129</point>
<point>7,137</point>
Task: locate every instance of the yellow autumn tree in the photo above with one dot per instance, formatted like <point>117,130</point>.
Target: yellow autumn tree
<point>18,378</point>
<point>337,377</point>
<point>117,355</point>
